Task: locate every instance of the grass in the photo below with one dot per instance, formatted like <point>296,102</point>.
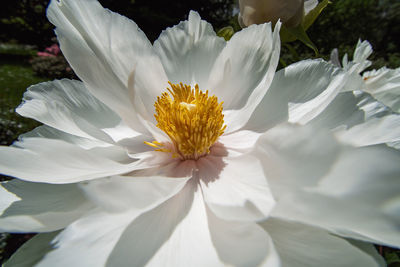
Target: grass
<point>15,77</point>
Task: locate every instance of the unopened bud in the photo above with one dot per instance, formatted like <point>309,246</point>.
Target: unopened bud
<point>290,12</point>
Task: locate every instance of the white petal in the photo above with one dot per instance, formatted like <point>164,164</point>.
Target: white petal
<point>325,82</point>
<point>244,71</point>
<point>361,53</point>
<point>145,86</point>
<point>334,58</point>
<point>355,199</point>
<point>103,48</point>
<point>349,109</point>
<point>298,93</point>
<point>87,242</point>
<point>371,107</point>
<point>47,132</point>
<point>31,252</point>
<point>189,50</point>
<point>123,193</point>
<point>34,207</point>
<point>345,111</point>
<point>301,245</point>
<point>242,244</point>
<point>235,188</point>
<point>372,132</point>
<point>99,148</point>
<point>240,141</point>
<point>174,234</point>
<point>68,106</point>
<point>56,161</point>
<point>118,153</point>
<point>295,157</point>
<point>384,85</point>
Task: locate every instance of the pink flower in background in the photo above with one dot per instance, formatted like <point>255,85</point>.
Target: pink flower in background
<point>50,51</point>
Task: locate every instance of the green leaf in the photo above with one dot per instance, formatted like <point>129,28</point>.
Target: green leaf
<point>226,32</point>
<point>288,34</point>
<point>313,14</point>
<point>391,257</point>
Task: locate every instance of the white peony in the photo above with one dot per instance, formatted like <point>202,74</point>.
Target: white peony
<point>267,182</point>
<point>383,84</point>
<point>377,93</point>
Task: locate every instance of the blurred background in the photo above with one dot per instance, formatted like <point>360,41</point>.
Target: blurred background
<point>29,52</point>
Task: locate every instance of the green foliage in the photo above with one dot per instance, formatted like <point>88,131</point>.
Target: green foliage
<point>343,22</point>
<point>14,79</point>
<point>25,22</point>
<point>298,33</point>
<point>52,67</point>
<point>226,32</point>
<point>310,18</point>
<point>17,50</point>
<point>392,257</point>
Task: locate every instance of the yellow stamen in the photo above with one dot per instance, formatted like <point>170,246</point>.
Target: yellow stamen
<point>192,120</point>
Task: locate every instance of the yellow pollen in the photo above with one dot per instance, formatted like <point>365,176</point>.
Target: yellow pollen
<point>192,120</point>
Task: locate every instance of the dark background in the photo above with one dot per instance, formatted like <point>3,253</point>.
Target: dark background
<point>340,26</point>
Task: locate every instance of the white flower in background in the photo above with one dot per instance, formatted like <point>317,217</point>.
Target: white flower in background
<point>377,93</point>
<point>125,172</point>
<point>290,12</point>
<point>383,84</point>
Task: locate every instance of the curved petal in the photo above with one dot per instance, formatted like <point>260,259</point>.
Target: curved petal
<point>358,198</point>
<point>349,109</point>
<point>305,246</point>
<point>47,132</point>
<point>243,72</point>
<point>372,132</point>
<point>103,48</point>
<point>189,50</point>
<point>241,140</point>
<point>239,191</point>
<point>33,251</point>
<point>371,107</point>
<point>175,233</point>
<point>95,235</point>
<point>295,157</point>
<point>242,244</point>
<point>358,110</point>
<point>56,161</point>
<point>360,62</point>
<point>298,94</point>
<point>68,106</point>
<point>345,111</point>
<point>124,193</point>
<point>123,152</point>
<point>326,81</point>
<point>384,85</point>
<point>34,207</point>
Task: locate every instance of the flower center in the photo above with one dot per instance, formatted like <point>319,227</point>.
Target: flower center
<point>192,120</point>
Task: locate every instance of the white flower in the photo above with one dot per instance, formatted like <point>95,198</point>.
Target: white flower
<point>290,12</point>
<point>377,94</point>
<point>263,191</point>
<point>383,84</point>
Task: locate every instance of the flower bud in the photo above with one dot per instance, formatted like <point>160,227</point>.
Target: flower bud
<point>290,12</point>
